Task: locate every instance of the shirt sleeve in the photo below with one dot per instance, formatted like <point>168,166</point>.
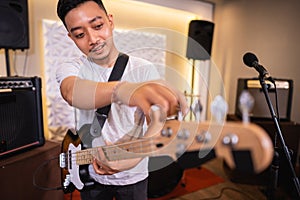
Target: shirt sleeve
<point>67,69</point>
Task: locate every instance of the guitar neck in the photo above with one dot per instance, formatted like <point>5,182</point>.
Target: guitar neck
<point>133,149</point>
<point>85,156</point>
<point>177,138</point>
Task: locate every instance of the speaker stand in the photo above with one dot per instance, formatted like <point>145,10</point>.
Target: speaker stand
<point>7,62</point>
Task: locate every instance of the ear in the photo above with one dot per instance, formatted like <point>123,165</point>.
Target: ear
<point>69,35</point>
<point>111,20</point>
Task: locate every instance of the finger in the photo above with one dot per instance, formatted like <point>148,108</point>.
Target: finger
<point>180,98</point>
<point>164,102</point>
<point>144,105</point>
<point>102,169</point>
<point>166,99</point>
<point>158,118</point>
<point>183,105</point>
<point>162,94</point>
<point>98,167</point>
<point>145,102</point>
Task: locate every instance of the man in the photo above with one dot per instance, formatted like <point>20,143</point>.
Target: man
<point>83,84</point>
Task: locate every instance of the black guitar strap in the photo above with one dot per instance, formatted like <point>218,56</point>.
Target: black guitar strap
<point>115,75</point>
<point>102,113</point>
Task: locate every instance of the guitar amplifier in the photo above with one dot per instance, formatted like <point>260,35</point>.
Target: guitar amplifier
<point>21,117</point>
<point>261,110</point>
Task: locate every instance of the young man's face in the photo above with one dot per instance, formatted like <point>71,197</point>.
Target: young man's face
<point>91,29</point>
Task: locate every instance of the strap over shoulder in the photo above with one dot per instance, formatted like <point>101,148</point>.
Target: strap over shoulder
<point>115,75</point>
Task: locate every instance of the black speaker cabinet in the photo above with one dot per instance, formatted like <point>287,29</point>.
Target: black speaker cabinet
<point>261,110</point>
<point>200,40</point>
<point>21,118</point>
<point>14,33</point>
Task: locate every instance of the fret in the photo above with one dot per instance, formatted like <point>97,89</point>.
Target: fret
<point>85,156</point>
<point>133,149</point>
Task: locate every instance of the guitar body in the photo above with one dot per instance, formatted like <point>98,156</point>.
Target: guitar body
<point>72,142</point>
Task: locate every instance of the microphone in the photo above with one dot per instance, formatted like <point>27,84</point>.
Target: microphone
<point>251,61</point>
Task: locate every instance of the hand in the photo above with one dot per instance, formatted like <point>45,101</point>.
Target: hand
<point>102,169</point>
<point>146,94</point>
<point>103,166</point>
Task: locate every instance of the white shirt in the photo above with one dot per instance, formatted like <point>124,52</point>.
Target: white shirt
<point>121,118</point>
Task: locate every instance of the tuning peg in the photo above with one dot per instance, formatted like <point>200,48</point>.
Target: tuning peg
<point>230,139</point>
<point>219,108</point>
<point>180,116</point>
<point>196,109</point>
<point>167,132</point>
<point>246,103</point>
<point>183,134</point>
<point>204,137</point>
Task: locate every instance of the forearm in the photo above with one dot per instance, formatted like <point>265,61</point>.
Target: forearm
<point>86,94</point>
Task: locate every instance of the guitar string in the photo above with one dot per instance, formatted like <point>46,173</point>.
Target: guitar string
<point>131,149</point>
<point>134,150</point>
<point>115,151</point>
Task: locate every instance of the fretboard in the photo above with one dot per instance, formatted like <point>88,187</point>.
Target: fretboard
<point>133,149</point>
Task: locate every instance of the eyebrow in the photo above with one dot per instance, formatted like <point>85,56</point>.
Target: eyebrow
<point>91,21</point>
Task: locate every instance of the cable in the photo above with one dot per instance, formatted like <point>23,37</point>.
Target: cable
<point>47,188</point>
<point>37,170</point>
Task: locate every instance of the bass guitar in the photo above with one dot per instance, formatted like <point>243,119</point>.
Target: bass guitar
<point>227,140</point>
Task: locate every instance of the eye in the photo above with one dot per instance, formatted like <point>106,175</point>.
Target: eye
<point>99,26</point>
<point>80,35</point>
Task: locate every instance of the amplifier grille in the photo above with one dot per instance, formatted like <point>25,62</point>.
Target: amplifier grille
<point>21,121</point>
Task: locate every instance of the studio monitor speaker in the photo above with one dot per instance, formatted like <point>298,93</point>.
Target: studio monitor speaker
<point>200,40</point>
<point>21,118</point>
<point>14,33</point>
<point>261,110</point>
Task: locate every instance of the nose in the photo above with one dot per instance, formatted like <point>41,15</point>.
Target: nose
<point>93,37</point>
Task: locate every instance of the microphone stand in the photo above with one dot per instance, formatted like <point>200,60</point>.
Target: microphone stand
<point>275,163</point>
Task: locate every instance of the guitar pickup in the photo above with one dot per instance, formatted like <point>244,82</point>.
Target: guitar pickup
<point>62,160</point>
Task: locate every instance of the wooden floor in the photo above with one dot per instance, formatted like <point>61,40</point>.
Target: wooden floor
<point>229,190</point>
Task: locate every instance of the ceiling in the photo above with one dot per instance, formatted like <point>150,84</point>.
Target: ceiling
<point>187,5</point>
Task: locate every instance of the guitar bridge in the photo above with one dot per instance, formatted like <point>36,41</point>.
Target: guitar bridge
<point>62,160</point>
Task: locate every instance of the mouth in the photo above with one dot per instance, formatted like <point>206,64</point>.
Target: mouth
<point>97,47</point>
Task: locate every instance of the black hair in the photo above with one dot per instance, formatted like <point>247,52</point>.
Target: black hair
<point>65,6</point>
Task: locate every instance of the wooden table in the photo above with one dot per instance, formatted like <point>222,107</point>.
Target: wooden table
<point>17,173</point>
